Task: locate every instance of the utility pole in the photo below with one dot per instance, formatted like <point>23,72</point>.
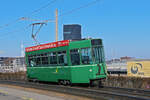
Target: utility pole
<point>22,50</point>
<point>56,24</point>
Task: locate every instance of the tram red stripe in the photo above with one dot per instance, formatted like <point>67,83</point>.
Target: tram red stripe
<point>48,45</point>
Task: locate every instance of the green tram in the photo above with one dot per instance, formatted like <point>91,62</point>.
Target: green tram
<point>67,62</point>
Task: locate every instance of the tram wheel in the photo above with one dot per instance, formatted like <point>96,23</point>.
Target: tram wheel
<point>100,84</point>
<point>91,84</point>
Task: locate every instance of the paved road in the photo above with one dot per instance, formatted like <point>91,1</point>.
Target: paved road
<point>17,94</point>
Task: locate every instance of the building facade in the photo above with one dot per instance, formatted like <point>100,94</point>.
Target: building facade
<point>12,64</point>
<point>72,32</point>
<point>118,66</point>
<point>2,59</point>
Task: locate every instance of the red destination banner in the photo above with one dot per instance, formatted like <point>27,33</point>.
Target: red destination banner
<point>48,45</point>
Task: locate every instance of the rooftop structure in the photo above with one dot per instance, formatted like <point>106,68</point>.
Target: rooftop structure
<point>72,32</point>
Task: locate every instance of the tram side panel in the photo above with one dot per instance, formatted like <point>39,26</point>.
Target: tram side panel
<point>85,73</point>
<point>80,74</point>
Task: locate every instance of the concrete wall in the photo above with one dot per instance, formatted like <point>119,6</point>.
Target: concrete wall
<point>127,82</point>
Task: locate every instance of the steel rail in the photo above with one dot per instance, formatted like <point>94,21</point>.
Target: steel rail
<point>142,92</point>
<point>79,91</point>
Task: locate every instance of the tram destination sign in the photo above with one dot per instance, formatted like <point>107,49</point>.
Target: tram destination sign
<point>48,45</point>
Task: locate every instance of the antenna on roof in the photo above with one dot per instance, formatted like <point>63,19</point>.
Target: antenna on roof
<point>35,34</point>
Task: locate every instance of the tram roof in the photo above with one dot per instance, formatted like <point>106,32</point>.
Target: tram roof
<point>53,45</point>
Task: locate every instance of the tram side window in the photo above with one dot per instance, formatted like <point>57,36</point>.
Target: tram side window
<point>62,58</point>
<point>98,54</point>
<point>86,57</point>
<point>75,57</point>
<point>31,61</point>
<point>38,60</point>
<point>103,55</point>
<point>53,58</point>
<point>44,59</point>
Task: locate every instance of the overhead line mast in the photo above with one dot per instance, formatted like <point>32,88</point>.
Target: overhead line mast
<point>56,24</point>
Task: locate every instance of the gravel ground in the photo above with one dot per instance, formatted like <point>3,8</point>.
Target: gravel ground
<point>9,92</point>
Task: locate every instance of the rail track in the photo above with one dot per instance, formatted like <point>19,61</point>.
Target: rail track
<point>139,92</point>
<point>105,93</point>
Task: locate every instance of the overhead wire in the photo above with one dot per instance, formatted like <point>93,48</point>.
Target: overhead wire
<point>30,19</point>
<point>13,32</point>
<point>10,23</point>
<point>81,7</point>
<point>26,18</point>
<point>76,9</point>
<point>45,6</point>
<point>33,12</point>
<point>63,14</point>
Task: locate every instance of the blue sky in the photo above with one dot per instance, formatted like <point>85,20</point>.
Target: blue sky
<point>124,25</point>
